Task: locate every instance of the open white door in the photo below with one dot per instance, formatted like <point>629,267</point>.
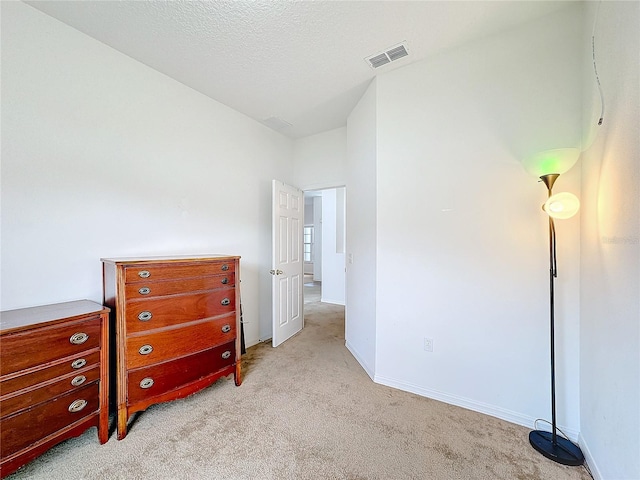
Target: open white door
<point>287,271</point>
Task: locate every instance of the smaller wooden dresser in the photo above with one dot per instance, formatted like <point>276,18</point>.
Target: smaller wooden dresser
<point>53,378</point>
<point>177,324</point>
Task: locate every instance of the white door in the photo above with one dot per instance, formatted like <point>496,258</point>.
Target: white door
<point>287,261</point>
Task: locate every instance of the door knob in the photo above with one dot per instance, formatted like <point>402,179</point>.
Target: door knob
<point>276,272</point>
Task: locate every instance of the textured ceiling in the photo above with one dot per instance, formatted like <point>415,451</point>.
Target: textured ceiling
<point>301,62</point>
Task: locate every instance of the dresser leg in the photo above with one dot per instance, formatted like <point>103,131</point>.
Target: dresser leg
<point>237,376</point>
<point>103,425</point>
<point>122,423</point>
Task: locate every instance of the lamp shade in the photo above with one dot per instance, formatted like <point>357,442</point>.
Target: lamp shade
<point>557,161</point>
<point>562,205</point>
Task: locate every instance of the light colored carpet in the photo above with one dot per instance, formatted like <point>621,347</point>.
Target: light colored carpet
<point>312,291</point>
<point>306,410</point>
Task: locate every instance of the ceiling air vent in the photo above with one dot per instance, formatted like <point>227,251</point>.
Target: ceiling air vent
<point>379,60</point>
<point>394,53</point>
<point>398,52</point>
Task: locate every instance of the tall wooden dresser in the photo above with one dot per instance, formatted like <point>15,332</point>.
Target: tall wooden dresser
<point>53,378</point>
<point>177,324</point>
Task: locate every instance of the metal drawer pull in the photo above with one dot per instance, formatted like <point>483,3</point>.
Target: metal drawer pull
<point>144,316</point>
<point>225,301</point>
<point>226,354</point>
<point>226,328</point>
<point>225,280</point>
<point>145,350</point>
<point>144,273</point>
<point>79,363</point>
<point>78,338</point>
<point>146,382</point>
<point>144,291</point>
<point>225,267</point>
<point>79,380</point>
<point>77,405</point>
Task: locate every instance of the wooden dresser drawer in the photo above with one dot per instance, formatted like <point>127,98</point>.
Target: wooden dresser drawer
<point>144,383</point>
<point>142,290</point>
<point>62,367</point>
<point>158,346</point>
<point>48,391</point>
<point>23,350</point>
<point>142,315</point>
<point>167,271</point>
<point>23,429</point>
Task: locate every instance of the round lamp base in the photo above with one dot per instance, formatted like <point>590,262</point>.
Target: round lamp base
<point>562,451</point>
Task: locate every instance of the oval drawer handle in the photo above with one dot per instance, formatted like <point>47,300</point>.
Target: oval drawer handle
<point>226,354</point>
<point>79,363</point>
<point>79,380</point>
<point>144,291</point>
<point>145,350</point>
<point>146,382</point>
<point>225,267</point>
<point>144,273</point>
<point>144,316</point>
<point>77,405</point>
<point>224,281</point>
<point>78,338</point>
<point>225,301</point>
<point>226,328</point>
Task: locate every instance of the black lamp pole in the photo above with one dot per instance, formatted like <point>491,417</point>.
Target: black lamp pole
<point>549,444</point>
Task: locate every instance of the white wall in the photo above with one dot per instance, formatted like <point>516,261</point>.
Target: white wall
<point>610,247</point>
<point>102,156</point>
<point>319,160</point>
<point>333,274</point>
<point>317,230</point>
<point>462,253</point>
<point>361,296</point>
<point>320,163</point>
<point>308,211</point>
<point>308,221</point>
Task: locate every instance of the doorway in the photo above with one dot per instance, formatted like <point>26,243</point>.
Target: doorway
<point>324,245</point>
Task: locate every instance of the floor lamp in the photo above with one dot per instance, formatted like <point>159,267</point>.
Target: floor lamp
<point>559,206</point>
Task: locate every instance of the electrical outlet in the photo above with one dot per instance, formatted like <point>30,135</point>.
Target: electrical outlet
<point>428,344</point>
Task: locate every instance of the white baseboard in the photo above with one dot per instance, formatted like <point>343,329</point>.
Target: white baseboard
<point>591,463</point>
<point>360,360</point>
<point>492,410</point>
<point>332,302</point>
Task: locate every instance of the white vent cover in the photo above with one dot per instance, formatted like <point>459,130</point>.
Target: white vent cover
<point>394,53</point>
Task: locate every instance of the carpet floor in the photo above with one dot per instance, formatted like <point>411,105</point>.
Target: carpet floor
<point>305,410</point>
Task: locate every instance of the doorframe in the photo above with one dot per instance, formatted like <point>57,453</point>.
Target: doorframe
<point>320,189</point>
<point>305,189</point>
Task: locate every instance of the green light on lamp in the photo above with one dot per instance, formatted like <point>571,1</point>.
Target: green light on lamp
<point>556,161</point>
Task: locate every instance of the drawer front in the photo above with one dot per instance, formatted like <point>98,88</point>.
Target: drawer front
<point>157,347</point>
<point>168,271</point>
<point>148,382</point>
<point>161,312</point>
<point>30,348</point>
<point>72,364</point>
<point>21,430</point>
<point>48,392</point>
<point>173,287</point>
